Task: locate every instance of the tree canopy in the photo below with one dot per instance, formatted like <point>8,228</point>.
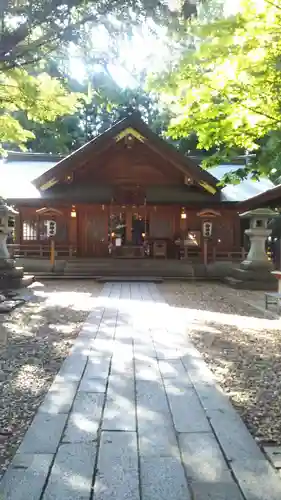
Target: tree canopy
<point>226,88</point>
<point>30,31</point>
<point>41,99</point>
<point>99,108</point>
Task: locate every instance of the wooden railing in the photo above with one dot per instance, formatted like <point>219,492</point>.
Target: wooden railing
<point>69,251</point>
<point>215,255</point>
<point>237,255</point>
<point>41,251</point>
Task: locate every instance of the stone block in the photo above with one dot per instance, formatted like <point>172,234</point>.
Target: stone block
<point>147,369</point>
<point>255,475</point>
<point>71,474</point>
<point>26,476</point>
<point>44,434</point>
<point>172,368</point>
<point>216,491</point>
<point>92,385</point>
<point>59,398</point>
<point>177,387</point>
<point>85,418</point>
<point>274,455</point>
<point>167,353</point>
<point>117,475</point>
<point>196,367</point>
<point>122,361</point>
<point>187,412</point>
<point>257,479</point>
<point>97,367</point>
<point>145,348</point>
<point>151,396</point>
<point>203,458</point>
<point>72,368</point>
<point>213,398</point>
<point>120,408</point>
<point>163,479</point>
<point>235,439</point>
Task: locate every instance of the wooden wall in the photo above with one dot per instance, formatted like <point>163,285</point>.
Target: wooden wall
<point>138,166</point>
<point>88,232</point>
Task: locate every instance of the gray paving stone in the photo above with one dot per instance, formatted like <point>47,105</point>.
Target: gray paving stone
<point>117,476</point>
<point>92,385</point>
<point>257,479</point>
<point>274,455</point>
<point>177,386</point>
<point>163,478</point>
<point>216,491</point>
<point>212,397</point>
<point>80,429</point>
<point>196,367</point>
<point>167,353</point>
<point>26,476</point>
<point>85,418</point>
<point>158,443</point>
<point>172,368</point>
<point>71,474</point>
<point>203,458</point>
<point>156,434</point>
<point>88,404</point>
<point>188,414</point>
<point>44,434</point>
<point>59,398</point>
<point>97,368</point>
<point>151,396</point>
<point>234,437</point>
<point>82,345</point>
<point>120,409</point>
<point>147,369</point>
<point>122,361</point>
<point>72,368</point>
<point>145,348</point>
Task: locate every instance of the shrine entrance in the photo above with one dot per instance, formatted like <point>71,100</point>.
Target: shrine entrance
<point>128,231</point>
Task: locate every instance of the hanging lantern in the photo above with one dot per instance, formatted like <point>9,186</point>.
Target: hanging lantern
<point>183,213</point>
<point>73,212</point>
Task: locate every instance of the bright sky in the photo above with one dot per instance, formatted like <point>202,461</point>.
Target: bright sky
<point>143,50</point>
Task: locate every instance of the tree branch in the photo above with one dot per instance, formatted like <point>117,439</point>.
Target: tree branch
<point>273,4</point>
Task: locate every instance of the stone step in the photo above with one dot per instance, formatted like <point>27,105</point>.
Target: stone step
<point>145,279</point>
<point>27,279</point>
<point>59,276</point>
<point>250,284</point>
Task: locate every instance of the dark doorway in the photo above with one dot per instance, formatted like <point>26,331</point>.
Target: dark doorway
<point>140,229</point>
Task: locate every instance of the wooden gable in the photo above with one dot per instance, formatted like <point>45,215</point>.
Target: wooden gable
<point>137,165</point>
<point>129,152</point>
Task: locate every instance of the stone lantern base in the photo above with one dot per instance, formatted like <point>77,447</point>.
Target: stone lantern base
<point>254,272</point>
<point>252,279</point>
<point>12,277</point>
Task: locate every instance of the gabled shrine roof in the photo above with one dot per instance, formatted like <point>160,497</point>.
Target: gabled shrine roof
<point>138,128</point>
<point>22,173</point>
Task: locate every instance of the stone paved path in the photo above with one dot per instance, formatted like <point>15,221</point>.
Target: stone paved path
<point>134,414</point>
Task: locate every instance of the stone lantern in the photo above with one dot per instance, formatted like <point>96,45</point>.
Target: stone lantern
<point>258,233</point>
<point>10,275</point>
<point>7,223</point>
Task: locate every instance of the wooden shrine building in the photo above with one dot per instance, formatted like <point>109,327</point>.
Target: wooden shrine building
<point>127,193</point>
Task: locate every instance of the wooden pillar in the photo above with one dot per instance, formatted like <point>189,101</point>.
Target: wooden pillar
<point>129,215</point>
<point>18,229</point>
<point>205,251</point>
<point>72,227</point>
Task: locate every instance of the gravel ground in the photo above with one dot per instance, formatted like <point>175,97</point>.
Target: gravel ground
<point>34,340</point>
<point>241,346</point>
